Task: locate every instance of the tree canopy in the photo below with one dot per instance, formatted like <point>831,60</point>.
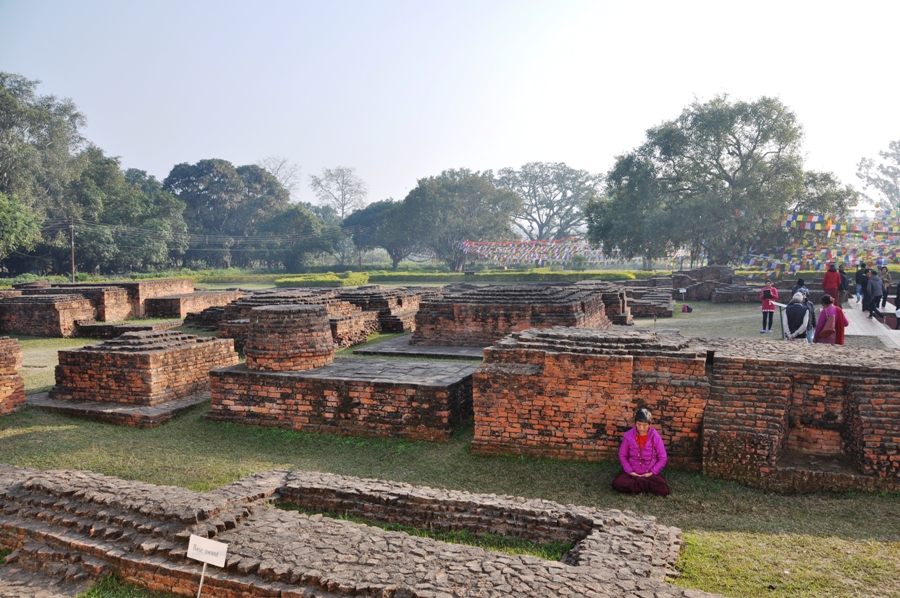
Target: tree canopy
<point>715,179</point>
<point>553,198</point>
<point>340,188</point>
<point>382,224</point>
<point>883,176</point>
<point>458,205</point>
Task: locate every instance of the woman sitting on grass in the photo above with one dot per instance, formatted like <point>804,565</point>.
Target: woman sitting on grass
<point>643,457</point>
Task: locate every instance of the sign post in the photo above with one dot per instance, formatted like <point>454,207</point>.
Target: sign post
<point>207,552</point>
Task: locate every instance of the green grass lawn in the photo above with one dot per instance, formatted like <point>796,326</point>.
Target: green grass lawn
<point>738,541</point>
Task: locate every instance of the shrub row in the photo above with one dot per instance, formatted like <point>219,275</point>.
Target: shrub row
<point>329,279</point>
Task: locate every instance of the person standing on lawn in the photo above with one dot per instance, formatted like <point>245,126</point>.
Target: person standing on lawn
<point>831,282</point>
<point>767,296</point>
<point>829,311</point>
<point>810,328</point>
<point>643,456</point>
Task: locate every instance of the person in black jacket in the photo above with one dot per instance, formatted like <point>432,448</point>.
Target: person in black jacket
<point>861,281</point>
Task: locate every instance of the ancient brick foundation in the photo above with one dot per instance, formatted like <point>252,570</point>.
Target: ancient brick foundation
<point>52,315</point>
<point>179,306</point>
<point>12,386</point>
<point>396,306</point>
<point>100,524</point>
<point>483,315</point>
<point>286,338</point>
<point>350,325</point>
<point>359,397</point>
<point>571,393</point>
<point>140,368</point>
<point>110,303</point>
<point>139,291</point>
<point>742,410</point>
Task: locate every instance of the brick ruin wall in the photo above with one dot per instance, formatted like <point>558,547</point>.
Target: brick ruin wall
<point>98,525</point>
<point>284,338</point>
<point>396,306</point>
<point>483,315</point>
<point>53,315</point>
<point>350,325</point>
<point>351,397</point>
<point>737,409</point>
<point>179,306</point>
<point>12,385</point>
<point>141,368</point>
<point>139,291</point>
<point>110,303</point>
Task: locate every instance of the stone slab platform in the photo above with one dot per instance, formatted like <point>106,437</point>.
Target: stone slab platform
<point>141,531</point>
<point>103,330</point>
<point>400,347</point>
<point>141,416</point>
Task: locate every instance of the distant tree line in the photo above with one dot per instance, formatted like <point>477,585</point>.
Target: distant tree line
<point>715,180</point>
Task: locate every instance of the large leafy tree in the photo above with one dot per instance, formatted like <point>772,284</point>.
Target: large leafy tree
<point>295,235</point>
<point>554,196</point>
<point>883,176</point>
<point>716,178</point>
<point>224,206</point>
<point>458,205</point>
<point>382,224</point>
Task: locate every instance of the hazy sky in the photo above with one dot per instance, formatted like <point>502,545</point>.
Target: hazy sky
<point>402,90</point>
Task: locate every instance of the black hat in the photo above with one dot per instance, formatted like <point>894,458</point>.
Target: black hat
<point>643,415</point>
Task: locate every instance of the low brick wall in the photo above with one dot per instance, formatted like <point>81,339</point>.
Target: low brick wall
<point>53,315</point>
<point>483,315</point>
<point>741,410</point>
<point>396,306</point>
<point>350,325</point>
<point>12,385</point>
<point>140,290</point>
<point>179,306</point>
<point>110,303</point>
<point>141,368</point>
<point>98,525</point>
<point>359,397</point>
<point>570,393</point>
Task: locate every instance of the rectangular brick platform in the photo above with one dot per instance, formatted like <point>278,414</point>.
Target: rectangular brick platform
<point>740,409</point>
<point>52,315</point>
<point>12,385</point>
<point>140,368</point>
<point>179,306</point>
<point>101,524</point>
<point>111,303</point>
<point>396,306</point>
<point>366,397</point>
<point>483,315</point>
<point>139,290</point>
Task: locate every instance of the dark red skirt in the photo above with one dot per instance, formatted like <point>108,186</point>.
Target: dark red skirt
<point>629,484</point>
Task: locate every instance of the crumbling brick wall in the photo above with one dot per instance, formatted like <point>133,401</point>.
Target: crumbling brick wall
<point>12,385</point>
<point>179,306</point>
<point>743,410</point>
<point>111,303</point>
<point>572,393</point>
<point>481,316</point>
<point>53,315</point>
<point>141,368</point>
<point>139,291</point>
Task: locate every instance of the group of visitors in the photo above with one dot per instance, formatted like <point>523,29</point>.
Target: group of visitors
<point>872,289</point>
<point>799,319</point>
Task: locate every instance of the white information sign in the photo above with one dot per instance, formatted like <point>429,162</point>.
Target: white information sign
<point>207,551</point>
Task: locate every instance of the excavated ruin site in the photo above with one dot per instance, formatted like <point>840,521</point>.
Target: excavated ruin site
<point>89,525</point>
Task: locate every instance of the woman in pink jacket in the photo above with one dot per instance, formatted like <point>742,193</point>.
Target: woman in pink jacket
<point>643,457</point>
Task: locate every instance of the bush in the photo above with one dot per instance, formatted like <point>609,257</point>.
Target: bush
<point>534,275</point>
<point>330,279</point>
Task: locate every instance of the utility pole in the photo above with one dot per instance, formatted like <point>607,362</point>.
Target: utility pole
<point>72,230</point>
